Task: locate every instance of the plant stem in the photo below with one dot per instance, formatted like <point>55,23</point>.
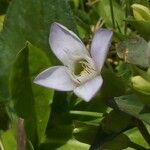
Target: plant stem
<point>21,137</point>
<point>82,4</point>
<point>143,130</point>
<point>112,13</point>
<point>126,15</point>
<point>86,113</point>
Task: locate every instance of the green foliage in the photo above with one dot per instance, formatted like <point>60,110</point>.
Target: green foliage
<point>117,118</point>
<point>133,106</point>
<point>28,21</point>
<point>134,50</point>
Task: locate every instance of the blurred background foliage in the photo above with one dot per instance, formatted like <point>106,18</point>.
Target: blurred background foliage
<point>119,115</point>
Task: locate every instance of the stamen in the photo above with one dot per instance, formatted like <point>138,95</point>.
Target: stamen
<point>80,69</point>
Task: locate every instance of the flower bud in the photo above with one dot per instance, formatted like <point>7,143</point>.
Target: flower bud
<point>141,85</point>
<point>140,12</point>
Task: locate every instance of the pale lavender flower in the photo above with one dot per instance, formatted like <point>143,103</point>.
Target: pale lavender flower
<point>81,70</point>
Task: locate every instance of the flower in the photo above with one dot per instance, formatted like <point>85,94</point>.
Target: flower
<point>81,70</point>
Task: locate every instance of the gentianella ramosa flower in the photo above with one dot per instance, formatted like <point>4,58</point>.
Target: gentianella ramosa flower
<point>81,69</point>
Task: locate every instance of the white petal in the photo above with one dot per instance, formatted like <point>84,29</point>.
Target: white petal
<point>56,78</point>
<point>100,45</point>
<point>65,44</point>
<point>88,90</point>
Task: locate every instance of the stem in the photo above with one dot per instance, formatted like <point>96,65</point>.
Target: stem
<point>82,5</point>
<point>112,13</point>
<point>21,138</point>
<point>143,130</point>
<point>126,15</point>
<point>85,113</point>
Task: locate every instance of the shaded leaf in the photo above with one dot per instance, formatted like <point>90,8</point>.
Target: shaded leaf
<point>27,20</point>
<point>118,143</point>
<point>133,106</point>
<point>116,121</point>
<point>31,102</point>
<point>134,50</point>
<point>142,27</point>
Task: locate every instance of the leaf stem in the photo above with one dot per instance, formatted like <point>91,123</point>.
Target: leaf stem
<point>86,113</point>
<point>143,130</point>
<point>112,13</point>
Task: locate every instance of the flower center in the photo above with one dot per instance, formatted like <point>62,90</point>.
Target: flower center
<point>83,69</point>
<point>80,66</point>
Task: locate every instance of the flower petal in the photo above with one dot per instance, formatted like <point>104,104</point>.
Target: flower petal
<point>100,45</point>
<point>56,78</point>
<point>88,90</point>
<point>65,44</point>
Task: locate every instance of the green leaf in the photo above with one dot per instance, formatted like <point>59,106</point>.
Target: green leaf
<point>103,9</point>
<point>43,97</point>
<point>56,136</point>
<point>27,20</point>
<point>8,138</point>
<point>136,137</point>
<point>71,144</point>
<point>22,94</point>
<point>31,102</point>
<point>134,50</point>
<point>113,85</point>
<point>119,121</point>
<point>142,27</point>
<point>124,71</point>
<point>83,132</point>
<point>118,143</point>
<point>74,145</point>
<point>133,106</point>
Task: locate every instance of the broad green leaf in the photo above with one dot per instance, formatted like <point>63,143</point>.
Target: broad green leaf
<point>27,20</point>
<point>31,102</point>
<point>103,9</point>
<point>22,94</point>
<point>133,106</point>
<point>134,50</point>
<point>43,97</point>
<point>136,137</point>
<point>59,128</point>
